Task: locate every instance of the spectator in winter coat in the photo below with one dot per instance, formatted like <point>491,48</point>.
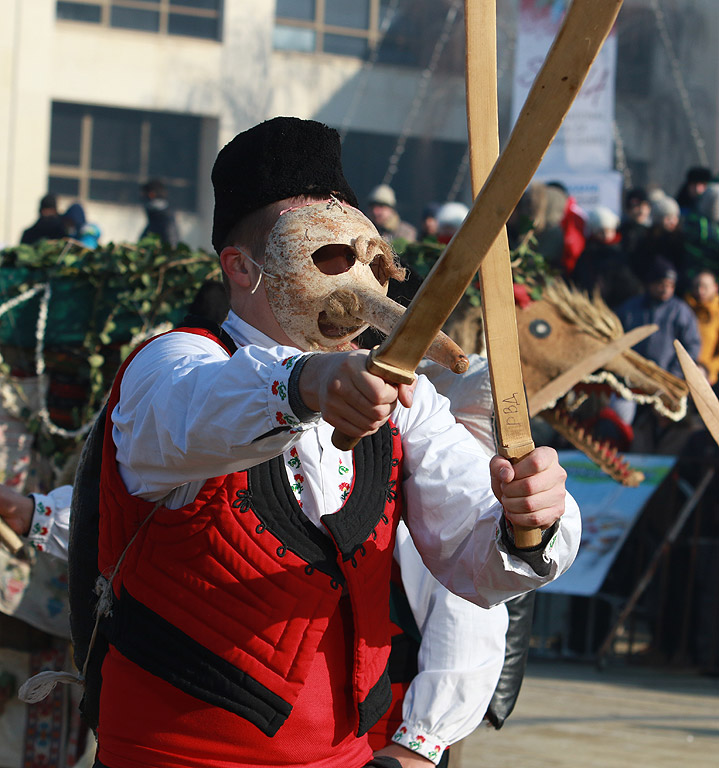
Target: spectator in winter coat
<point>704,300</point>
<point>636,221</point>
<point>701,237</point>
<point>48,227</point>
<point>603,265</point>
<point>673,316</point>
<point>160,217</point>
<point>382,212</point>
<point>692,188</point>
<point>665,236</point>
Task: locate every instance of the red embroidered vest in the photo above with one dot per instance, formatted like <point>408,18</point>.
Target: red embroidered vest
<point>228,597</point>
<point>403,660</point>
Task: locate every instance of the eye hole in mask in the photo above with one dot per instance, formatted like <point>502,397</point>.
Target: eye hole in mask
<point>334,259</point>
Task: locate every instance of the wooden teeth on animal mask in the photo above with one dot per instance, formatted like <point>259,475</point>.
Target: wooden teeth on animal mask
<point>602,453</point>
<point>566,327</point>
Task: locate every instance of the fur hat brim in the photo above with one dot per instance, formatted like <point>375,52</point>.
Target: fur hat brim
<point>279,158</point>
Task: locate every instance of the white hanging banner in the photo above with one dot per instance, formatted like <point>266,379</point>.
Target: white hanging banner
<point>591,189</point>
<point>585,140</point>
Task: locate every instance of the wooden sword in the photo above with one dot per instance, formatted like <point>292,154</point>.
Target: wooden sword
<point>701,391</point>
<point>585,27</point>
<point>511,415</point>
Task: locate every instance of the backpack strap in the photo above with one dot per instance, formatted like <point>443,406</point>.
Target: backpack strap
<point>83,572</point>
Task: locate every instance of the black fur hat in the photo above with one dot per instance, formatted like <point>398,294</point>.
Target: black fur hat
<point>280,158</point>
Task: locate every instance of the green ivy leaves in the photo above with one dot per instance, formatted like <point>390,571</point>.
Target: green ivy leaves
<point>101,300</point>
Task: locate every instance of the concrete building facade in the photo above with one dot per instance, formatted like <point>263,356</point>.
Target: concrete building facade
<point>51,64</point>
<point>96,96</point>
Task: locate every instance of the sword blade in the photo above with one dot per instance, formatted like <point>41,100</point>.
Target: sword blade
<point>585,28</point>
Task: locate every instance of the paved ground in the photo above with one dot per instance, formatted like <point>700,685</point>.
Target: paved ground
<point>571,714</point>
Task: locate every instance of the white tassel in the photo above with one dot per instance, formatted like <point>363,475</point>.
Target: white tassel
<point>41,685</point>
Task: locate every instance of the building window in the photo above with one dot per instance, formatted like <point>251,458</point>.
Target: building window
<point>426,173</point>
<point>104,154</point>
<point>196,18</point>
<point>397,31</point>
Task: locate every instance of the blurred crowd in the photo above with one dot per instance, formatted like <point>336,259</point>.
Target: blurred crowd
<point>657,262</point>
<point>72,224</point>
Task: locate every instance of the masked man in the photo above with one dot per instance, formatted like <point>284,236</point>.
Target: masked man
<point>248,559</point>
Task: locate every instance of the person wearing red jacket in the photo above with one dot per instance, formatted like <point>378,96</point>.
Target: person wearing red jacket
<point>246,560</point>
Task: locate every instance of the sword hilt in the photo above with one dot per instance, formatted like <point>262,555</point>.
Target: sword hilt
<point>524,538</point>
<point>9,538</point>
<point>387,371</point>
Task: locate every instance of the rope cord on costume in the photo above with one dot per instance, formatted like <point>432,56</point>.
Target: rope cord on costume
<point>41,685</point>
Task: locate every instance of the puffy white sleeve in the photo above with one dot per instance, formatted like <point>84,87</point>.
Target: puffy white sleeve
<point>460,659</point>
<point>50,527</point>
<point>453,515</point>
<point>189,411</point>
<point>470,397</point>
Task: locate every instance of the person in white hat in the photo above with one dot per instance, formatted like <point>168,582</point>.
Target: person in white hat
<point>383,214</point>
<point>603,264</point>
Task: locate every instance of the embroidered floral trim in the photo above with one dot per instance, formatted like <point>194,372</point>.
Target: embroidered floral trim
<point>286,419</point>
<point>294,460</point>
<point>297,486</point>
<point>40,528</point>
<point>278,394</point>
<point>344,487</point>
<point>297,479</point>
<point>421,743</point>
<point>279,389</point>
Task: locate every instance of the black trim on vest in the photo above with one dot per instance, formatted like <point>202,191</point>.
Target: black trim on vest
<point>376,704</point>
<point>353,524</point>
<point>274,503</point>
<point>162,649</point>
<point>82,568</point>
<point>403,667</point>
